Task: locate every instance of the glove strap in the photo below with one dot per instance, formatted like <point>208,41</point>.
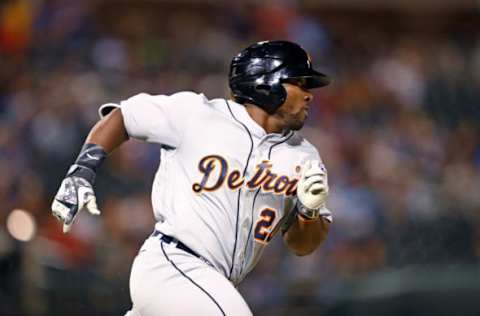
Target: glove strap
<point>88,161</point>
<point>310,214</point>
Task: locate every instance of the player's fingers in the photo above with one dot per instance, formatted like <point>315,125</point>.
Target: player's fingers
<point>307,183</point>
<point>92,206</point>
<point>67,227</point>
<point>315,176</point>
<point>60,211</point>
<point>85,196</point>
<point>318,188</point>
<point>315,167</point>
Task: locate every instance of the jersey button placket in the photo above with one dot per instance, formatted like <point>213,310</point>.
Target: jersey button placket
<point>245,230</point>
<point>252,164</point>
<point>245,226</point>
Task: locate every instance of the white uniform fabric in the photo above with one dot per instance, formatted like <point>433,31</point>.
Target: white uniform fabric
<point>168,281</point>
<point>223,186</point>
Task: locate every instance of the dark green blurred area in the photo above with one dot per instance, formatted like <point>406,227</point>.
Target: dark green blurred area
<point>398,130</point>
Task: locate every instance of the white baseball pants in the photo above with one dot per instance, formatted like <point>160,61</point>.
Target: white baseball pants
<point>169,281</point>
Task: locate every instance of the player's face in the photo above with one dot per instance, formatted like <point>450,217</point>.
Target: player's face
<point>294,110</point>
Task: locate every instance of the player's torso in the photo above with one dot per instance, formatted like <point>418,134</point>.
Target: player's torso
<point>234,186</point>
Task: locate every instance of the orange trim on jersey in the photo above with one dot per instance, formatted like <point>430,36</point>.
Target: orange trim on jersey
<point>254,182</point>
<point>263,177</point>
<point>281,180</point>
<point>207,165</point>
<point>292,188</point>
<point>267,182</point>
<point>264,229</point>
<point>234,176</point>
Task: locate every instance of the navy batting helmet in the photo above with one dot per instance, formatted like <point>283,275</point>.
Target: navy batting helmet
<point>257,73</point>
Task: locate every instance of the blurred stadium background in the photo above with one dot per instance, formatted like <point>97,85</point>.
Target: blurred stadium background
<point>398,129</point>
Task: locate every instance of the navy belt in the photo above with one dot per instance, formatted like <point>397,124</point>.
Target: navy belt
<point>180,245</point>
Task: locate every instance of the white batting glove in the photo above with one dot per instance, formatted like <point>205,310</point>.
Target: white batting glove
<point>312,191</point>
<point>74,195</point>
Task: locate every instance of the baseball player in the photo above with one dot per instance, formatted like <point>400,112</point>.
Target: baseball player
<point>233,173</point>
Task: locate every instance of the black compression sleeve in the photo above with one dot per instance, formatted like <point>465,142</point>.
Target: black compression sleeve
<point>88,161</point>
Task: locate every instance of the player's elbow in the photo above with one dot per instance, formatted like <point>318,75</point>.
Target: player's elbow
<point>302,251</point>
<point>300,248</point>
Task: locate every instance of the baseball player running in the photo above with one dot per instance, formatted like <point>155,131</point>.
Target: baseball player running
<point>233,174</point>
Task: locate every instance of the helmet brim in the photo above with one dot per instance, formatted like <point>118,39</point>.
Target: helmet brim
<point>315,79</point>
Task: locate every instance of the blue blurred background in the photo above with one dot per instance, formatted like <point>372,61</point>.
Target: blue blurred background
<point>398,130</point>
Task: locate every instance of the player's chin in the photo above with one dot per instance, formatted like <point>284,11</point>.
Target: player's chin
<point>297,123</point>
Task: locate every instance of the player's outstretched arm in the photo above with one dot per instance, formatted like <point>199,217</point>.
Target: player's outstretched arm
<point>312,219</point>
<point>76,190</point>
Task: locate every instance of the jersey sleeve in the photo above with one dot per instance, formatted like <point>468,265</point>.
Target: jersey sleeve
<point>159,119</point>
<point>309,152</point>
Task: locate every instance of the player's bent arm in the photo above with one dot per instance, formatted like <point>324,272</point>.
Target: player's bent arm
<point>304,236</point>
<point>311,218</point>
<point>109,133</point>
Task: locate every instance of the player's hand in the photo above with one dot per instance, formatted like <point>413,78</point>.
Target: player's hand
<point>74,195</point>
<point>312,190</point>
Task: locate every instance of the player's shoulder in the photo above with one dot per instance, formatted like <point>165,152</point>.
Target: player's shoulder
<point>299,142</point>
<point>302,146</point>
<point>181,97</point>
<point>188,97</point>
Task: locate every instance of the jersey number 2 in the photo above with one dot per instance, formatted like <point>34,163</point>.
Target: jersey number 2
<point>263,232</point>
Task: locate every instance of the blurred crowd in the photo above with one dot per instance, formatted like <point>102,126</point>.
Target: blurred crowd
<point>398,130</point>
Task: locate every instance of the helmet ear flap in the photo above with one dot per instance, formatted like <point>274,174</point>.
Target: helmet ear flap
<point>279,94</point>
<point>263,88</point>
<point>275,95</point>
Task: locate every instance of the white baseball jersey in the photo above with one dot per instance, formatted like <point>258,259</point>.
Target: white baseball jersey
<point>223,184</point>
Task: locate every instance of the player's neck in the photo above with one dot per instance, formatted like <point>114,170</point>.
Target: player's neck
<point>268,122</point>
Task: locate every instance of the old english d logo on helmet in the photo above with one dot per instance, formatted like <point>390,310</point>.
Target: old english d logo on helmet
<point>257,73</point>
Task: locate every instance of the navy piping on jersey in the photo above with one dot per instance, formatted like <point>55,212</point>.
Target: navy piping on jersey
<point>258,191</point>
<point>240,189</point>
<point>251,224</point>
<point>280,142</point>
<point>188,278</point>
